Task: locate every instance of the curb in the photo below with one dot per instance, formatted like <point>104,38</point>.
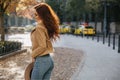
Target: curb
<point>81,65</point>
<point>12,54</point>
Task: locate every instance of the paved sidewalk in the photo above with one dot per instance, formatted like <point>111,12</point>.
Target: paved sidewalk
<point>101,62</point>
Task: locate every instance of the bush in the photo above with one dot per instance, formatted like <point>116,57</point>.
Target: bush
<point>9,46</point>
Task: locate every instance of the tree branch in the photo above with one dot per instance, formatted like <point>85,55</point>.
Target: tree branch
<point>8,3</point>
<point>6,6</point>
<point>3,1</point>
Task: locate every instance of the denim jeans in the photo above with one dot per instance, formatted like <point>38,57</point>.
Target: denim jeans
<point>43,67</point>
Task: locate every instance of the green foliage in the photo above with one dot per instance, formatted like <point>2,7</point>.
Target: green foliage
<point>67,10</point>
<point>97,7</point>
<point>93,5</point>
<point>54,4</point>
<point>9,46</point>
<point>59,7</point>
<point>116,10</point>
<point>75,8</point>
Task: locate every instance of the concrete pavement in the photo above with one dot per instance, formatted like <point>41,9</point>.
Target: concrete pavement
<point>100,63</point>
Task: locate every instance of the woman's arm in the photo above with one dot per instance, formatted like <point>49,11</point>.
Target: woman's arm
<point>40,40</point>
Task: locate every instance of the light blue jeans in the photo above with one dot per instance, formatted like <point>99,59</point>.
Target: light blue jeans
<point>43,67</point>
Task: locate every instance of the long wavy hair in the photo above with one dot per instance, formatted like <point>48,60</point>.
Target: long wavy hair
<point>49,19</point>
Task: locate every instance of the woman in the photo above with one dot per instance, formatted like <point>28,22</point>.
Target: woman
<point>47,30</point>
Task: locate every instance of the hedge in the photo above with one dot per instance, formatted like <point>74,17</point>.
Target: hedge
<point>9,46</point>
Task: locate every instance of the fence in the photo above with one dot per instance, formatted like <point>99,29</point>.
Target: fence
<point>112,39</point>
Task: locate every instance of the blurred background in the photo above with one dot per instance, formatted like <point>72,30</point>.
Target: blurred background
<point>83,23</point>
<point>76,16</point>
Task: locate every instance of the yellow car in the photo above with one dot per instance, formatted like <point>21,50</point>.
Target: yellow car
<point>88,30</point>
<point>65,29</point>
<point>79,30</point>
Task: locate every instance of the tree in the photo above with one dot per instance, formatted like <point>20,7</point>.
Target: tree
<point>112,11</point>
<point>75,9</point>
<point>93,7</point>
<point>116,14</point>
<point>8,7</point>
<point>59,7</point>
<point>4,8</point>
<point>116,9</point>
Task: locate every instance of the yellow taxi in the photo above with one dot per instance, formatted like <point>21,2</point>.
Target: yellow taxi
<point>88,30</point>
<point>65,29</point>
<point>84,30</point>
<point>79,29</point>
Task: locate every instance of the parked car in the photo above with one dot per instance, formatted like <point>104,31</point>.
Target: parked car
<point>79,29</point>
<point>88,30</point>
<point>72,29</point>
<point>65,29</point>
<point>82,30</point>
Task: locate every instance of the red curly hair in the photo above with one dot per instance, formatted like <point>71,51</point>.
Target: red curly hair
<point>50,19</point>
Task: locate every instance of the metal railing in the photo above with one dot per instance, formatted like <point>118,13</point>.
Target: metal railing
<point>112,39</point>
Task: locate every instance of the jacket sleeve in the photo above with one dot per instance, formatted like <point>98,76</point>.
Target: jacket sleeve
<point>40,39</point>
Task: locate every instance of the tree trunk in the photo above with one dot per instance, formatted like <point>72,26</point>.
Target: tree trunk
<point>96,20</point>
<point>2,31</point>
<point>77,21</point>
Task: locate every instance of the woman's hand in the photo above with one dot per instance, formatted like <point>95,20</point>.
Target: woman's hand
<point>33,59</point>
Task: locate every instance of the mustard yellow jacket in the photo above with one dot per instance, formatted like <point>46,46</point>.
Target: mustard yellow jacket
<point>41,43</point>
